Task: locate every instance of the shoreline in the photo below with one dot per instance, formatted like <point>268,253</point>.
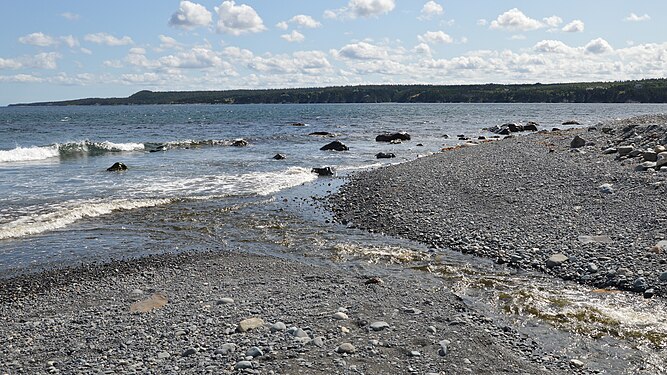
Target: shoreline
<point>523,200</point>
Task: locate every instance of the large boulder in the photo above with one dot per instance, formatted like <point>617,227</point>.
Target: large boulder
<point>385,155</point>
<point>531,126</point>
<point>571,122</point>
<point>577,142</point>
<point>388,137</point>
<point>335,146</point>
<point>324,171</point>
<point>117,167</point>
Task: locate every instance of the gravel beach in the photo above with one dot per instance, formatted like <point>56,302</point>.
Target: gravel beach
<point>532,202</point>
<point>590,210</point>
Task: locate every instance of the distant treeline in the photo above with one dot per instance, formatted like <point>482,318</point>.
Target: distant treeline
<point>643,91</point>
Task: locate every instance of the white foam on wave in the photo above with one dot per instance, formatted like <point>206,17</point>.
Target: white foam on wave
<point>29,154</point>
<point>70,213</point>
<point>255,183</point>
<point>106,145</point>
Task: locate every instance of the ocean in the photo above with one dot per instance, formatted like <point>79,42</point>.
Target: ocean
<point>188,189</point>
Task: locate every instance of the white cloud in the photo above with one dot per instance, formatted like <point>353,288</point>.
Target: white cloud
<point>238,19</point>
<point>430,10</point>
<point>301,63</point>
<point>21,78</point>
<point>282,25</point>
<point>423,49</point>
<point>305,21</point>
<point>197,58</point>
<point>518,37</point>
<point>482,22</point>
<point>10,63</point>
<point>576,26</point>
<point>553,46</point>
<point>44,60</point>
<point>70,41</point>
<point>294,36</point>
<point>635,18</point>
<point>553,21</point>
<point>86,51</point>
<point>39,39</point>
<point>362,8</point>
<point>167,42</point>
<point>361,51</point>
<point>70,16</point>
<point>190,15</point>
<point>433,37</point>
<point>514,19</point>
<point>598,46</point>
<point>107,39</point>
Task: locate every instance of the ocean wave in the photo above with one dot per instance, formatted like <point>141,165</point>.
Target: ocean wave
<point>29,154</point>
<point>71,213</point>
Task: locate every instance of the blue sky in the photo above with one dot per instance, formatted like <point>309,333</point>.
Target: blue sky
<point>54,50</point>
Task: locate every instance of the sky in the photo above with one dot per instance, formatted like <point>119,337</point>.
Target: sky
<point>67,49</point>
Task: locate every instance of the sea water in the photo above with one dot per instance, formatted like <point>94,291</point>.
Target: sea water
<point>59,205</point>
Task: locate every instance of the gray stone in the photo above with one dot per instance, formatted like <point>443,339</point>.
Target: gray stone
<point>659,149</point>
<point>278,326</point>
<point>645,166</point>
<point>300,333</point>
<point>226,349</point>
<point>431,329</point>
<point>606,189</point>
<point>663,276</point>
<point>225,301</point>
<point>577,142</point>
<point>415,353</point>
<point>318,341</point>
<point>379,326</point>
<point>188,352</point>
<point>163,355</point>
<point>250,323</point>
<point>442,351</point>
<point>254,352</point>
<point>346,348</point>
<point>592,267</point>
<point>576,363</point>
<point>556,260</point>
<point>639,285</point>
<point>650,156</point>
<point>625,150</point>
<point>340,316</point>
<point>610,150</point>
<point>242,365</point>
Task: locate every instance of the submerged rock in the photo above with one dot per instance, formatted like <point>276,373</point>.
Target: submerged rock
<point>389,137</point>
<point>117,167</point>
<point>335,146</point>
<point>324,171</point>
<point>240,143</point>
<point>385,155</point>
<point>279,157</point>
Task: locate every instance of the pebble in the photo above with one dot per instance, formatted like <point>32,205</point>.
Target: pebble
<point>226,349</point>
<point>225,301</point>
<point>163,355</point>
<point>556,260</point>
<point>340,316</point>
<point>242,365</point>
<point>278,326</point>
<point>576,363</point>
<point>250,323</point>
<point>346,348</point>
<point>188,352</point>
<point>254,352</point>
<point>379,325</point>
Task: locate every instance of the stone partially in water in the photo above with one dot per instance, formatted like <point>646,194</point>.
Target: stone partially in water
<point>117,167</point>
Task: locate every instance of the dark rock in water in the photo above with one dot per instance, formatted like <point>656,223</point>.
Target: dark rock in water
<point>577,142</point>
<point>324,171</point>
<point>385,155</point>
<point>445,136</point>
<point>117,167</point>
<point>571,122</point>
<point>297,124</point>
<point>322,134</point>
<point>464,139</point>
<point>335,146</point>
<point>240,143</point>
<point>388,137</point>
<point>481,137</point>
<point>531,126</point>
<point>158,148</point>
<point>420,145</point>
<point>514,128</point>
<point>279,157</point>
<point>555,130</point>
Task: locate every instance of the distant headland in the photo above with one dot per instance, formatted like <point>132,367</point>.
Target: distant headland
<point>639,91</point>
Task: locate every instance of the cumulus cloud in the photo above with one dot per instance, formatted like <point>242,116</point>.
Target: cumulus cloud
<point>514,20</point>
<point>282,25</point>
<point>190,15</point>
<point>10,63</point>
<point>635,18</point>
<point>167,42</point>
<point>196,58</point>
<point>422,49</point>
<point>362,51</point>
<point>430,10</point>
<point>70,41</point>
<point>362,8</point>
<point>238,19</point>
<point>108,39</point>
<point>553,46</point>
<point>598,46</point>
<point>294,36</point>
<point>312,63</point>
<point>303,20</point>
<point>482,22</point>
<point>39,39</point>
<point>576,26</point>
<point>553,21</point>
<point>435,37</point>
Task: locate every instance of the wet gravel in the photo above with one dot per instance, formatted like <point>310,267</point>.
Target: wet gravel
<point>528,198</point>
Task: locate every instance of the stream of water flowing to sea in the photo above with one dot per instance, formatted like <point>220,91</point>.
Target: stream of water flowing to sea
<point>188,189</point>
